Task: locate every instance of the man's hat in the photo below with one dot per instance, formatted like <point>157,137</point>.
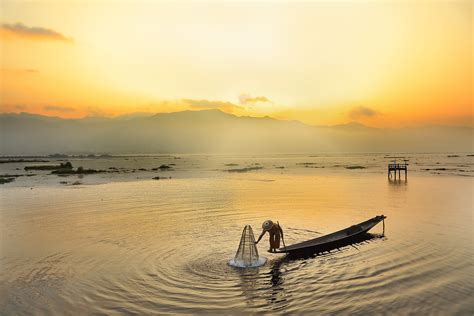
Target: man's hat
<point>267,225</point>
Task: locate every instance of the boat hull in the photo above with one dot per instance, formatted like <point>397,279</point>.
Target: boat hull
<point>351,235</point>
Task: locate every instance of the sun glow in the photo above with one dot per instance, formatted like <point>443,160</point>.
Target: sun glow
<point>409,63</point>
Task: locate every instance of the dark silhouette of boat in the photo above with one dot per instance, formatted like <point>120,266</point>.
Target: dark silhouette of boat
<point>350,235</point>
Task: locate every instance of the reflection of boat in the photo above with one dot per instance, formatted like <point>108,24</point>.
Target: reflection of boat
<point>350,235</point>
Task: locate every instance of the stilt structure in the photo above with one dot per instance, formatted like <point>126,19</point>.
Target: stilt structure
<point>394,167</point>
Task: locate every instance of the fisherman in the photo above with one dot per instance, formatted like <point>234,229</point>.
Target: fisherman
<point>275,232</point>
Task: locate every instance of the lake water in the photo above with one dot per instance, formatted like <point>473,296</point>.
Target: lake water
<point>124,243</point>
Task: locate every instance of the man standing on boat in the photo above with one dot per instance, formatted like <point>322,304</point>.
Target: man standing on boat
<point>275,232</point>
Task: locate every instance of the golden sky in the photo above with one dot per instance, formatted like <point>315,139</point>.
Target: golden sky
<point>381,63</point>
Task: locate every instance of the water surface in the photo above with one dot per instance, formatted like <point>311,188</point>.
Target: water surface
<point>148,246</point>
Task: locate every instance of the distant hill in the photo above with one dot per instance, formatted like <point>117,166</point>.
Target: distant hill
<point>213,131</point>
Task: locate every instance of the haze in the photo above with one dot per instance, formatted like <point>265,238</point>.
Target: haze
<point>213,131</point>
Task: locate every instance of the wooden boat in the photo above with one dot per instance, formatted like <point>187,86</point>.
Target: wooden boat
<point>347,236</point>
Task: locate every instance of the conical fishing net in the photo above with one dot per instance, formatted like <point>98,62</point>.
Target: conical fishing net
<point>247,254</point>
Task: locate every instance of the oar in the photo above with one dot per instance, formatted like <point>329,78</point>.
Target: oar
<point>282,238</point>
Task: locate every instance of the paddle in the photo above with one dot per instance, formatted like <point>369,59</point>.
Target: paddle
<point>282,238</point>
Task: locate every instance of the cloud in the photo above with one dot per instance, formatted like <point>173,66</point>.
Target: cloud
<point>20,107</point>
<point>246,99</point>
<point>14,108</point>
<point>362,112</point>
<point>20,71</point>
<point>35,33</point>
<point>207,104</point>
<point>55,108</point>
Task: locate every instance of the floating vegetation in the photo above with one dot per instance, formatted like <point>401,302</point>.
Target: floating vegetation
<point>355,167</point>
<point>11,175</point>
<point>66,165</point>
<point>58,156</point>
<point>161,178</point>
<point>6,180</point>
<point>162,167</point>
<point>79,170</point>
<point>247,169</point>
<point>231,164</point>
<point>92,156</point>
<point>469,155</point>
<point>22,160</point>
<point>310,165</point>
<point>280,167</point>
<point>453,156</point>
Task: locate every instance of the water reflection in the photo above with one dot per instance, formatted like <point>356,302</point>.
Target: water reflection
<point>397,182</point>
<point>249,280</point>
<point>277,292</point>
<point>256,283</point>
<point>259,283</point>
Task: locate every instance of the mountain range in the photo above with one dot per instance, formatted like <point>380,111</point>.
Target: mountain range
<point>213,131</point>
